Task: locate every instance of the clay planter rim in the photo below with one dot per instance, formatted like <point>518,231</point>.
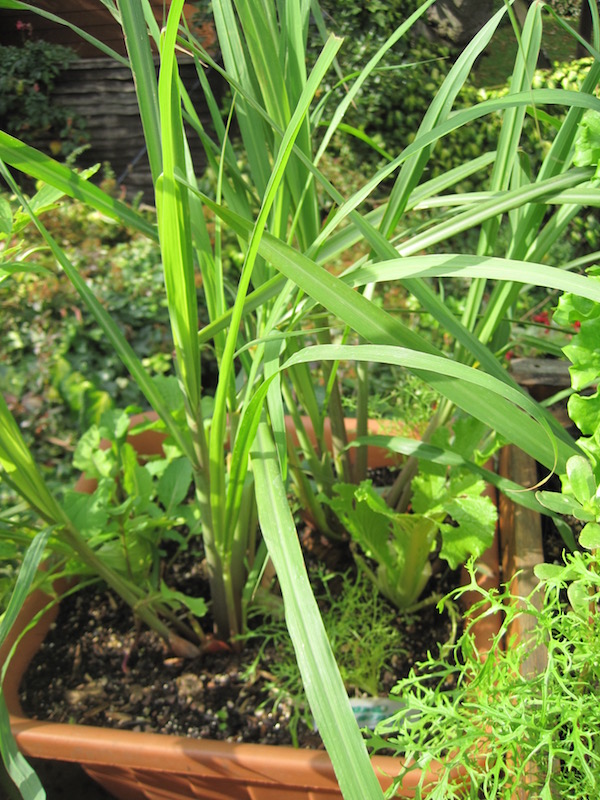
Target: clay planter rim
<point>178,767</point>
<point>149,442</point>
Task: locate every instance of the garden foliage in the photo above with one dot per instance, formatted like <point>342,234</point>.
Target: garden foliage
<point>27,79</point>
<point>284,325</point>
<point>493,729</point>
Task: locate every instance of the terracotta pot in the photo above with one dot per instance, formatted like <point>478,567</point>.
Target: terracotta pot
<point>376,456</point>
<point>147,766</point>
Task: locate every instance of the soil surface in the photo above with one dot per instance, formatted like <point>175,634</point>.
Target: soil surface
<point>97,668</point>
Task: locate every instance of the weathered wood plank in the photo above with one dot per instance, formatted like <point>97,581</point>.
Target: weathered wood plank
<point>103,93</point>
<point>521,543</point>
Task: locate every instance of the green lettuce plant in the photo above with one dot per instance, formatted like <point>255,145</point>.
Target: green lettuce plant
<point>447,509</point>
<point>288,311</point>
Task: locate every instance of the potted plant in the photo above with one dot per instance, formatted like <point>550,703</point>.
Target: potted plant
<point>258,329</point>
<point>186,765</point>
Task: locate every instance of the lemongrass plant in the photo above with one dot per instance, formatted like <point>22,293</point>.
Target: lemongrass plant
<point>534,208</point>
<point>239,450</point>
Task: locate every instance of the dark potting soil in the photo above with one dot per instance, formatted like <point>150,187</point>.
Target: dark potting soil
<point>97,668</point>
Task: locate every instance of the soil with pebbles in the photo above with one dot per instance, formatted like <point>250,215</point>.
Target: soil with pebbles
<point>96,668</point>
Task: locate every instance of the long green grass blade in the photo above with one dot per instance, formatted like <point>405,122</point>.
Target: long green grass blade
<point>25,578</point>
<point>424,363</point>
<point>241,454</point>
<point>43,168</point>
<point>458,265</point>
<point>438,110</point>
<point>558,157</point>
<point>324,687</point>
<point>240,75</point>
<point>17,767</point>
<point>498,204</point>
<point>21,470</point>
<point>345,238</point>
<point>175,225</point>
<point>504,409</point>
<point>503,171</point>
<point>137,41</point>
<point>219,418</point>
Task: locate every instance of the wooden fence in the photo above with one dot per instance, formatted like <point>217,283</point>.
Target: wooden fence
<point>103,93</point>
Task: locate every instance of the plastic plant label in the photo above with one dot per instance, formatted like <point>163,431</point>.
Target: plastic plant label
<point>370,711</point>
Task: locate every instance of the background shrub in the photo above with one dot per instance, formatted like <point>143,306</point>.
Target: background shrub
<point>395,99</point>
<point>567,8</point>
<point>56,371</point>
<point>27,79</point>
